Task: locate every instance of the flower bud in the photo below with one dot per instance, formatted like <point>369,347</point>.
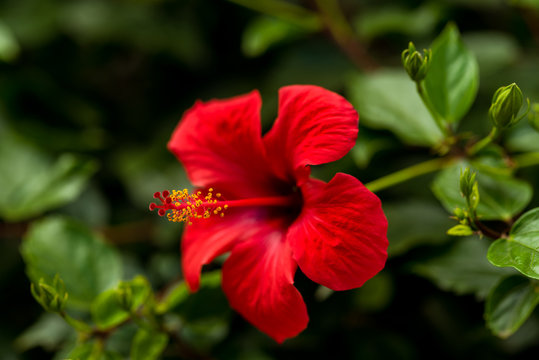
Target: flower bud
<point>467,179</point>
<point>533,116</point>
<point>416,65</point>
<point>506,104</point>
<point>51,297</point>
<point>469,189</point>
<point>124,294</point>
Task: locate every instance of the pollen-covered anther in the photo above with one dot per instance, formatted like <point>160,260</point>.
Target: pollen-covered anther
<point>180,206</point>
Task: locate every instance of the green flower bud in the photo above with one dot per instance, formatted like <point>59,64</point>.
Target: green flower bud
<point>506,104</point>
<point>459,213</point>
<point>467,179</point>
<point>51,297</point>
<point>124,294</point>
<point>415,64</point>
<point>533,116</point>
<point>469,189</point>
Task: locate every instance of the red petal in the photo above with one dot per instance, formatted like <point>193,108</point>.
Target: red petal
<point>258,280</point>
<point>208,238</point>
<point>219,143</point>
<point>339,240</point>
<point>315,126</point>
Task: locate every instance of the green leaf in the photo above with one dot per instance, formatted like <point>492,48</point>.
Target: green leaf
<point>107,310</point>
<point>453,77</point>
<point>84,351</point>
<point>460,230</point>
<point>391,19</point>
<point>178,296</point>
<point>501,197</point>
<point>49,331</point>
<point>521,248</point>
<point>523,138</point>
<point>413,223</point>
<point>32,183</point>
<point>9,47</point>
<point>533,4</point>
<point>264,32</point>
<point>510,304</point>
<point>285,10</point>
<point>369,144</point>
<point>175,296</point>
<point>376,294</point>
<point>494,51</point>
<point>148,345</point>
<point>464,268</point>
<point>58,245</point>
<point>387,99</point>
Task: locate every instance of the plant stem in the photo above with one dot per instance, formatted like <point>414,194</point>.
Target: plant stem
<point>527,159</point>
<point>76,324</point>
<point>428,104</point>
<point>484,142</point>
<point>485,230</point>
<point>409,173</point>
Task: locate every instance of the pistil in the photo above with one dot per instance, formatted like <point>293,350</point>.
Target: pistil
<point>183,207</point>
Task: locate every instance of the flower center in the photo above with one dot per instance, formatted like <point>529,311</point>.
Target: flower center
<point>181,206</point>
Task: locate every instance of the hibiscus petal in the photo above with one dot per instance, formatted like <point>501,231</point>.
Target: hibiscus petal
<point>314,126</point>
<point>258,280</point>
<point>208,238</point>
<point>219,143</point>
<point>340,238</point>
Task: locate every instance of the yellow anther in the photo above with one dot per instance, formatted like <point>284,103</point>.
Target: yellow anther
<point>183,206</point>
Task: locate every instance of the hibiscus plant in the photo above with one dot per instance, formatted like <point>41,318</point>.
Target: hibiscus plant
<point>273,218</point>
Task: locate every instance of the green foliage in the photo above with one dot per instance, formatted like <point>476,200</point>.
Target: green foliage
<point>520,249</point>
<point>395,19</point>
<point>387,99</point>
<point>49,331</point>
<point>114,306</point>
<point>62,246</point>
<point>464,269</point>
<point>453,78</point>
<point>108,80</point>
<point>32,183</point>
<point>460,230</point>
<point>9,47</point>
<point>494,51</point>
<point>376,294</point>
<point>533,116</point>
<point>284,10</point>
<point>265,32</point>
<point>510,304</point>
<point>369,144</point>
<point>148,345</point>
<point>501,196</point>
<point>412,223</point>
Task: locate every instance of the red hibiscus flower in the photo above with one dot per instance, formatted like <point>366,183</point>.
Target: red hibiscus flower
<point>269,214</point>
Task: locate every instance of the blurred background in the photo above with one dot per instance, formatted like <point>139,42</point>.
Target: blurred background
<point>90,91</point>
